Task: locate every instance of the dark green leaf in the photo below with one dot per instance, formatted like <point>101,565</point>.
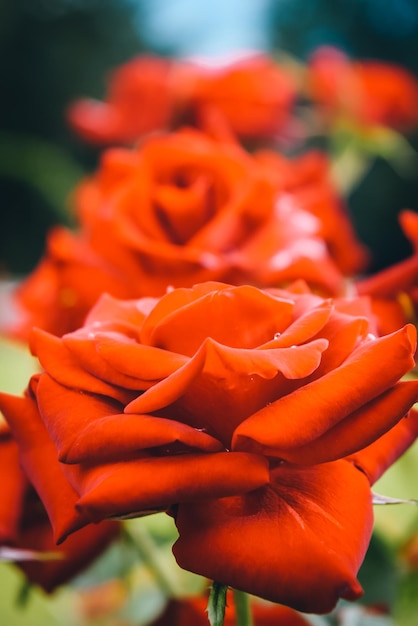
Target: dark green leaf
<point>217,604</point>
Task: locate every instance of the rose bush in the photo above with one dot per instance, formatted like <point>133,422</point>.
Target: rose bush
<point>253,95</point>
<point>256,418</point>
<point>366,92</point>
<point>184,208</point>
<point>24,524</point>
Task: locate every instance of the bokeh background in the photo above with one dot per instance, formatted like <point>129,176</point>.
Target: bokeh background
<point>53,51</point>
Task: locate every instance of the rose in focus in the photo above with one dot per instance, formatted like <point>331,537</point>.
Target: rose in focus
<point>182,209</point>
<point>252,95</point>
<point>256,418</point>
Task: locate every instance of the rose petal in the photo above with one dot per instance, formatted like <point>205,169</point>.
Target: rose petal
<point>185,210</point>
<point>73,555</point>
<point>379,455</point>
<point>132,312</point>
<point>361,428</point>
<point>66,412</point>
<point>223,362</point>
<point>154,483</point>
<point>13,486</point>
<point>300,541</point>
<point>308,412</point>
<point>409,222</point>
<point>162,394</point>
<point>344,333</point>
<point>250,204</point>
<point>230,316</point>
<point>38,457</point>
<point>303,328</point>
<point>118,437</point>
<point>274,256</point>
<point>138,361</point>
<point>174,300</point>
<point>83,347</point>
<point>390,281</point>
<point>56,358</point>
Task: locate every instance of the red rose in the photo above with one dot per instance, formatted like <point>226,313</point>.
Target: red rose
<point>179,210</point>
<point>25,525</point>
<point>253,96</point>
<point>247,414</point>
<point>139,101</point>
<point>367,92</point>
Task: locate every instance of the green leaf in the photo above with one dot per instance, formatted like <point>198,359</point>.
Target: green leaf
<point>42,165</point>
<point>217,604</point>
<point>406,606</point>
<point>378,574</point>
<point>24,593</point>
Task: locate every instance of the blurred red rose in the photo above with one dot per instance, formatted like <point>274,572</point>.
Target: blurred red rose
<point>306,181</point>
<point>184,208</point>
<point>140,100</point>
<point>24,525</point>
<point>367,92</point>
<point>235,409</point>
<point>253,95</point>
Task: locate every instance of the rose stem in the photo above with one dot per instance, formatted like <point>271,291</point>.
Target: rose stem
<point>242,608</point>
<point>148,551</point>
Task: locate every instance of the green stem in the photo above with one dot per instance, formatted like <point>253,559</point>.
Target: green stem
<point>242,608</point>
<point>349,167</point>
<point>148,551</point>
<point>217,604</point>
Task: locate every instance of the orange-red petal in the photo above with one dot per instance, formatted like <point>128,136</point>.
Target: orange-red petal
<point>308,412</point>
<point>375,459</point>
<point>360,429</point>
<point>156,483</point>
<point>119,437</point>
<point>300,541</point>
<point>38,457</point>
